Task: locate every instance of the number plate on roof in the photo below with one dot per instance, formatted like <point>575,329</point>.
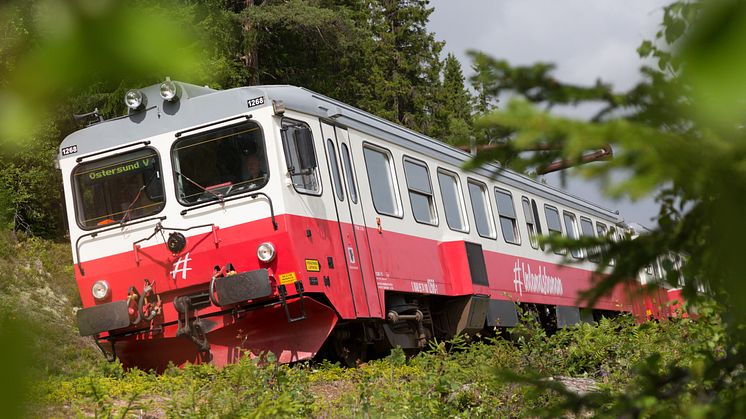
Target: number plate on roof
<point>69,150</point>
<point>255,101</point>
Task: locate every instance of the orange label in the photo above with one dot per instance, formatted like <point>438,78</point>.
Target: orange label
<point>287,278</point>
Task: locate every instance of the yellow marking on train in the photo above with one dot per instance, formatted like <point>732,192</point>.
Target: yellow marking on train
<point>287,278</point>
<point>313,265</point>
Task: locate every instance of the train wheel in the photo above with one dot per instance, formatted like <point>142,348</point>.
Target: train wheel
<point>349,347</point>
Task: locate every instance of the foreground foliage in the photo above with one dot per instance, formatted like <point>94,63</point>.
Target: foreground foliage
<point>56,373</point>
<point>450,379</point>
<point>678,135</point>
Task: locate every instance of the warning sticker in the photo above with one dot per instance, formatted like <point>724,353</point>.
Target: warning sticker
<point>287,278</point>
<point>313,265</point>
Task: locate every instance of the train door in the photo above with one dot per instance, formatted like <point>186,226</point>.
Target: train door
<point>349,214</point>
<point>365,258</point>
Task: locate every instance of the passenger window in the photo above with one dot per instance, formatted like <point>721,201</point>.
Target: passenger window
<point>453,201</point>
<point>586,230</point>
<point>603,231</point>
<point>346,161</point>
<point>571,227</point>
<point>508,222</point>
<point>554,225</point>
<point>382,181</point>
<point>295,139</point>
<point>332,153</point>
<point>615,237</point>
<point>420,192</point>
<point>528,214</point>
<point>482,211</point>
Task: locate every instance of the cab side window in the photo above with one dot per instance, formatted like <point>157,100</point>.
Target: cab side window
<point>300,156</point>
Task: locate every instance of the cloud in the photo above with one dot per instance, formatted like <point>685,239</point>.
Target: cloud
<point>586,39</point>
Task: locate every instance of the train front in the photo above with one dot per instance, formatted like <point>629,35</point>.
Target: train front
<point>178,232</point>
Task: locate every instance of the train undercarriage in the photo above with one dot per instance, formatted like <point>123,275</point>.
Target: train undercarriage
<point>304,326</point>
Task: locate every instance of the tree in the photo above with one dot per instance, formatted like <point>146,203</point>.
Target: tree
<point>59,58</point>
<point>376,55</point>
<point>403,70</point>
<point>453,109</point>
<point>311,44</point>
<point>678,134</point>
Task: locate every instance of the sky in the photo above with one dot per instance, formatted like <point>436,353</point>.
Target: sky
<point>585,39</point>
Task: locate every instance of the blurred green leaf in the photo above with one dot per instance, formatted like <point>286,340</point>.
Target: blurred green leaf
<point>60,48</point>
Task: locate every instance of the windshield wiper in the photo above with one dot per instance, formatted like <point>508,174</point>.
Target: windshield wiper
<point>129,208</point>
<point>216,195</point>
<point>137,198</point>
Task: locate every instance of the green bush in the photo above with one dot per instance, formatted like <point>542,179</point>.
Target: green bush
<point>482,378</point>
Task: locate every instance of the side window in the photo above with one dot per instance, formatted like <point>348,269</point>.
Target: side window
<point>571,227</point>
<point>602,231</point>
<point>482,211</point>
<point>528,214</point>
<point>298,145</point>
<point>420,191</point>
<point>616,235</point>
<point>586,230</point>
<point>453,200</point>
<point>554,225</point>
<point>346,161</point>
<point>382,181</point>
<point>508,218</point>
<point>336,177</point>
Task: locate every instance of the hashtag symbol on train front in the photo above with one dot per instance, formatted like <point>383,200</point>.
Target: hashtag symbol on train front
<point>181,266</point>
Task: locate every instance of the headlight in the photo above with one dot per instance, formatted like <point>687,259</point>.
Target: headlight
<point>100,289</point>
<point>134,99</point>
<point>265,252</point>
<point>169,91</point>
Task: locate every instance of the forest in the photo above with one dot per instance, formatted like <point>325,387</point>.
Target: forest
<point>677,135</point>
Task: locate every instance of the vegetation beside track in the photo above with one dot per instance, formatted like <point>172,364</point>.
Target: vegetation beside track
<point>455,379</point>
<point>61,375</point>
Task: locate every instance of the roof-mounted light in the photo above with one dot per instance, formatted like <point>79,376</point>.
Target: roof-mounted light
<point>135,100</point>
<point>169,90</point>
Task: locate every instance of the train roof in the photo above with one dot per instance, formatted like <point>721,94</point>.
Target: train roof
<point>199,105</point>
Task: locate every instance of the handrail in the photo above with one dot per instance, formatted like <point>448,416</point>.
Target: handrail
<point>250,194</point>
<point>180,133</point>
<point>81,158</point>
<point>97,232</point>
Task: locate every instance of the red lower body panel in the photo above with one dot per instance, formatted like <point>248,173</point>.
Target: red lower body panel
<point>253,333</point>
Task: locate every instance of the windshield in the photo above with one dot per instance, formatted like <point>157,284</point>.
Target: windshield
<point>230,160</point>
<point>118,189</point>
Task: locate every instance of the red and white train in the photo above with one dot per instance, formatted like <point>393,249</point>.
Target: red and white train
<point>207,225</point>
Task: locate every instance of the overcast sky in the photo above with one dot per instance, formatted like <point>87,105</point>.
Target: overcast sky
<point>586,39</point>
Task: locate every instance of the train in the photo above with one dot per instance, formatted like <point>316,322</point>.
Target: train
<point>210,225</point>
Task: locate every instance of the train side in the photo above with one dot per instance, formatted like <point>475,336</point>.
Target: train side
<point>272,219</point>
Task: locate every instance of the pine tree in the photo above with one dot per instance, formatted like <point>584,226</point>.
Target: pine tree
<point>404,68</point>
<point>454,107</point>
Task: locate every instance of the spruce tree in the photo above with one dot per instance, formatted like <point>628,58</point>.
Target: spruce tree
<point>454,107</point>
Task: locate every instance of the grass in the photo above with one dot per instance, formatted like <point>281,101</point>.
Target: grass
<point>55,373</point>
